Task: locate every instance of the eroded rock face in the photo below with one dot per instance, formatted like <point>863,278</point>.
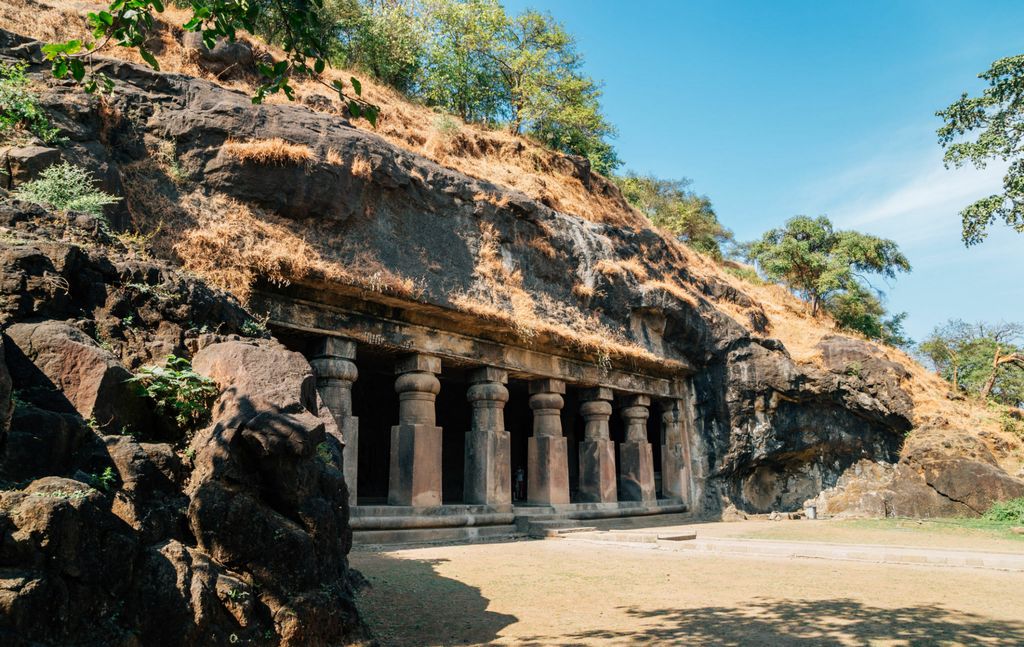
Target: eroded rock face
<point>957,477</point>
<point>238,537</point>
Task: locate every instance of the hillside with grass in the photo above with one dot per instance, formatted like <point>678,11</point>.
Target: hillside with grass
<point>550,252</point>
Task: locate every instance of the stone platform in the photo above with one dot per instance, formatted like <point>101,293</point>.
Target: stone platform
<point>386,524</point>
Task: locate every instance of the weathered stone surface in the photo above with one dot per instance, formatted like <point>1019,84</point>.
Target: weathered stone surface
<point>20,164</point>
<point>69,373</point>
<point>267,493</point>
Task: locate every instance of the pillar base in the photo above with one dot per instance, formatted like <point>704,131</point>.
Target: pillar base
<point>597,471</point>
<point>548,478</point>
<point>415,477</point>
<point>488,475</point>
<point>637,468</point>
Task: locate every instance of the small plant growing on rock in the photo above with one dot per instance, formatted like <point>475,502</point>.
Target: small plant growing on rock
<point>66,187</point>
<point>104,481</point>
<point>179,391</point>
<point>255,328</point>
<point>19,106</point>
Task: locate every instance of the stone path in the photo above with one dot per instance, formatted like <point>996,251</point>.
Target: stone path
<point>684,539</point>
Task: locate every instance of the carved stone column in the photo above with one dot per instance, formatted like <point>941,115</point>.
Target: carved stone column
<point>635,454</point>
<point>488,473</point>
<point>675,480</point>
<point>547,451</point>
<point>415,477</point>
<point>335,373</point>
<point>597,451</point>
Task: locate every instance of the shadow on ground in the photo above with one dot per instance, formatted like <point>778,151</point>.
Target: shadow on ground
<point>800,622</point>
<point>409,604</point>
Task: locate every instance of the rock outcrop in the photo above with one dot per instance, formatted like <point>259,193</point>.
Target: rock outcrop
<point>116,529</point>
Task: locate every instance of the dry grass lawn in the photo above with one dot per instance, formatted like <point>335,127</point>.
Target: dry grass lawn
<point>554,592</point>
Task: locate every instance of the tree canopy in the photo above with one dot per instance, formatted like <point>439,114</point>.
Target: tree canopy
<point>997,116</point>
<point>830,269</point>
<point>672,205</point>
<point>982,359</point>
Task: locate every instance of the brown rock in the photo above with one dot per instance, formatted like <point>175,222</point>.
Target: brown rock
<point>68,372</point>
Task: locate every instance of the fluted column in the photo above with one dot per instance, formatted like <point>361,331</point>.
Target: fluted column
<point>547,451</point>
<point>597,451</point>
<point>487,467</point>
<point>335,373</point>
<point>675,480</point>
<point>635,454</point>
<point>415,476</point>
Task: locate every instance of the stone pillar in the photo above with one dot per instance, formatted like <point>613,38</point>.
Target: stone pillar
<point>415,477</point>
<point>488,476</point>
<point>675,480</point>
<point>335,373</point>
<point>635,454</point>
<point>547,451</point>
<point>597,451</point>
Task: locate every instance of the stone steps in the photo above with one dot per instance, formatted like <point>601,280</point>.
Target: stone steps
<point>434,535</point>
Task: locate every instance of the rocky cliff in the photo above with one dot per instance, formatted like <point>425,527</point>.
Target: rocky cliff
<point>295,199</point>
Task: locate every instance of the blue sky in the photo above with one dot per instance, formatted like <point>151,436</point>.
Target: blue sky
<point>781,108</point>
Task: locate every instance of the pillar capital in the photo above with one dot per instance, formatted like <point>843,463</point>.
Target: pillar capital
<point>488,374</point>
<point>597,393</point>
<point>331,346</point>
<point>547,385</point>
<point>671,411</point>
<point>637,400</point>
<point>418,363</point>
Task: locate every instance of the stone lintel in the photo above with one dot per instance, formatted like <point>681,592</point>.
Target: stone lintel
<point>331,346</point>
<point>637,401</point>
<point>418,363</point>
<point>488,374</point>
<point>547,385</point>
<point>597,393</point>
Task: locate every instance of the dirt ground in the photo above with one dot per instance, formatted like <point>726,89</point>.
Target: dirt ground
<point>559,592</point>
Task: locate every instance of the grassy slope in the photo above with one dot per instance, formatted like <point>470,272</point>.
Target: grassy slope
<point>521,164</point>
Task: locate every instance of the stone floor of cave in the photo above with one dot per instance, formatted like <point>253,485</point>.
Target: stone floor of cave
<point>571,592</point>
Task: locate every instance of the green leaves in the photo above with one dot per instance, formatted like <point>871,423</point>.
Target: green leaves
<point>19,106</point>
<point>129,23</point>
<point>996,115</point>
<point>821,264</point>
<point>179,391</point>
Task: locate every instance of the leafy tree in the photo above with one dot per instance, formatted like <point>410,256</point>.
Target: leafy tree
<point>129,23</point>
<point>387,38</point>
<point>672,205</point>
<point>858,308</point>
<point>460,75</point>
<point>984,359</point>
<point>998,113</point>
<point>817,261</point>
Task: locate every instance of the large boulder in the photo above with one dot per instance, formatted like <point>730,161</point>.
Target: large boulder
<point>65,562</point>
<point>64,370</point>
<point>941,474</point>
<point>267,495</point>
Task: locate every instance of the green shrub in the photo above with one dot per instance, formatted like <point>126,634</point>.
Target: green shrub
<point>179,391</point>
<point>1011,512</point>
<point>19,106</point>
<point>66,187</point>
<point>105,481</point>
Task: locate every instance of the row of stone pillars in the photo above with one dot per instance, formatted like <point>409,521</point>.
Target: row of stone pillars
<point>415,461</point>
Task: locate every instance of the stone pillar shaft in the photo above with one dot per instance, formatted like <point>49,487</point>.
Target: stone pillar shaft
<point>636,454</point>
<point>675,480</point>
<point>487,460</point>
<point>415,474</point>
<point>597,451</point>
<point>335,370</point>
<point>547,450</point>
